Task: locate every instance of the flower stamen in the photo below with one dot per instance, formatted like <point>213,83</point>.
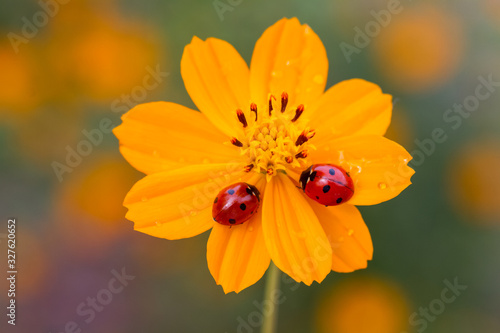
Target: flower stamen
<point>302,154</point>
<point>284,101</point>
<point>305,136</point>
<point>253,108</point>
<point>248,168</point>
<point>242,118</point>
<point>275,141</point>
<point>236,142</point>
<point>298,112</point>
<point>271,97</point>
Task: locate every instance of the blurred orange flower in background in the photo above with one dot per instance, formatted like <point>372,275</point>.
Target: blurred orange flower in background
<point>188,157</point>
<point>363,305</point>
<point>422,47</point>
<point>473,190</point>
<point>19,94</point>
<point>96,52</point>
<point>88,205</point>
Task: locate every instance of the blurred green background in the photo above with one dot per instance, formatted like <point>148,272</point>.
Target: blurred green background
<point>67,65</point>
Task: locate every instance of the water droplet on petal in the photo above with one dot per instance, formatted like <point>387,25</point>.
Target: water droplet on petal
<point>382,186</point>
<point>155,153</point>
<point>276,74</point>
<point>193,213</point>
<point>250,229</point>
<point>318,79</point>
<point>144,199</point>
<point>350,232</point>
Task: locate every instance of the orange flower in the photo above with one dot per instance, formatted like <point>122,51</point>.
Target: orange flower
<point>188,157</point>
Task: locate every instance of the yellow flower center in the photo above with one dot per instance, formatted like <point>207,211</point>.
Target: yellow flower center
<point>276,139</point>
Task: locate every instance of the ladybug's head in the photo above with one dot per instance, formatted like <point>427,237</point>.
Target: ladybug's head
<point>304,177</point>
<point>253,190</point>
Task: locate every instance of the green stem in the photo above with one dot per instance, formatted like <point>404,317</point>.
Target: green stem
<point>270,295</point>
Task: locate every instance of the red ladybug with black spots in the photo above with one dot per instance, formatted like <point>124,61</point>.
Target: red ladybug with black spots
<point>236,204</point>
<point>328,184</point>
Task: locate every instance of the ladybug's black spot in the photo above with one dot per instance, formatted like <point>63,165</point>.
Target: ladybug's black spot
<point>243,206</point>
<point>331,172</point>
<point>249,191</point>
<point>326,188</point>
<point>317,197</point>
<point>215,219</point>
<point>339,200</point>
<point>313,175</point>
<point>232,221</point>
<point>348,174</point>
<point>216,199</point>
<point>231,192</point>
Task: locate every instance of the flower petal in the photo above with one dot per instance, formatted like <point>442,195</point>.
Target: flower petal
<point>347,232</point>
<point>377,165</point>
<point>160,136</point>
<point>217,79</point>
<point>289,57</point>
<point>178,203</point>
<point>237,256</point>
<point>294,237</point>
<point>351,107</point>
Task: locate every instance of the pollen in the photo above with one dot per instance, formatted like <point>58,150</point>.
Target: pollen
<point>277,140</point>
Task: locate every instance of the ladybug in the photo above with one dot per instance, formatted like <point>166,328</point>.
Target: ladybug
<point>328,184</point>
<point>236,204</point>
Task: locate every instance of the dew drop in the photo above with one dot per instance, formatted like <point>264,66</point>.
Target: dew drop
<point>144,199</point>
<point>157,224</point>
<point>382,186</point>
<point>155,153</point>
<point>318,79</point>
<point>193,213</point>
<point>350,232</point>
<point>250,229</point>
